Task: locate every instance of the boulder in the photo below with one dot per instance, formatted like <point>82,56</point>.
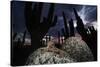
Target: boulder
<point>49,55</point>
<point>77,49</point>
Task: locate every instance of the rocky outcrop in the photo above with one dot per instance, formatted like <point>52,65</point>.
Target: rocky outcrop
<point>45,56</point>
<point>78,49</point>
<point>73,50</point>
<point>49,55</point>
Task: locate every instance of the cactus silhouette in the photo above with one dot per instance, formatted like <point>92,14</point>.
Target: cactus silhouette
<point>36,28</point>
<point>71,26</point>
<point>63,32</point>
<point>23,40</point>
<point>49,37</point>
<point>58,37</point>
<point>92,40</point>
<point>80,26</point>
<point>46,39</point>
<point>66,26</point>
<point>14,36</point>
<point>89,38</point>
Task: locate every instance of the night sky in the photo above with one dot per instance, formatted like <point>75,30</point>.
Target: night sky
<point>88,13</point>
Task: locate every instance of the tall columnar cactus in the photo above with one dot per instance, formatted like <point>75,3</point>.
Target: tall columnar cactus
<point>92,41</point>
<point>66,26</point>
<point>49,37</point>
<point>89,38</point>
<point>63,32</point>
<point>23,40</point>
<point>36,28</point>
<point>71,26</point>
<point>47,23</point>
<point>14,35</point>
<point>80,25</point>
<point>46,38</point>
<point>58,37</point>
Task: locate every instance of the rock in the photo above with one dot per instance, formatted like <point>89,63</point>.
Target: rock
<point>73,50</point>
<point>78,49</point>
<point>46,56</point>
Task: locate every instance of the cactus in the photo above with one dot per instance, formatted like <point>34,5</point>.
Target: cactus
<point>71,26</point>
<point>36,28</point>
<point>89,38</point>
<point>92,41</point>
<point>63,32</point>
<point>46,24</point>
<point>80,26</point>
<point>58,37</point>
<point>23,40</point>
<point>49,37</point>
<point>46,39</point>
<point>66,26</point>
<point>14,36</point>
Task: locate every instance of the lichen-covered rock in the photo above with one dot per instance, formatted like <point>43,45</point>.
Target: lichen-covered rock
<point>73,50</point>
<point>48,56</point>
<point>78,49</point>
